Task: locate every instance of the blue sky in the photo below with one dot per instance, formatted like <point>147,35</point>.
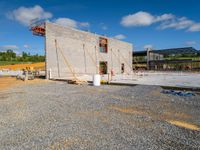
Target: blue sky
<point>145,23</point>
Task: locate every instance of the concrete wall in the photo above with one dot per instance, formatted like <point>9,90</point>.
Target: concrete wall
<point>81,50</point>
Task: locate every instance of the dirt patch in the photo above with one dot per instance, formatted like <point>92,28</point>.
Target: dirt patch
<point>8,82</point>
<point>184,124</point>
<point>171,117</point>
<point>36,66</point>
<point>169,114</point>
<point>66,143</point>
<point>177,115</point>
<point>88,113</point>
<point>93,114</point>
<point>127,110</point>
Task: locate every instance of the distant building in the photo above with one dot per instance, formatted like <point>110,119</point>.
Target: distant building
<point>186,58</point>
<point>141,59</point>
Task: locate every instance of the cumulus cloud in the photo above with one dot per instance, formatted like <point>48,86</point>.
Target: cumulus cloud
<point>66,22</point>
<point>71,23</point>
<point>181,23</point>
<point>164,17</point>
<point>7,47</point>
<point>24,15</point>
<point>143,19</point>
<point>119,37</point>
<point>148,46</point>
<point>165,21</point>
<point>195,27</point>
<point>177,23</point>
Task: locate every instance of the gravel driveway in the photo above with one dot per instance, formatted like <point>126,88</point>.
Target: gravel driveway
<point>57,115</point>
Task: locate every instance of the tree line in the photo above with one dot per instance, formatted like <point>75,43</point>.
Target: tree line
<point>10,55</point>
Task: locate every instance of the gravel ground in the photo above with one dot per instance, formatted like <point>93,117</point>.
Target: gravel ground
<point>57,115</point>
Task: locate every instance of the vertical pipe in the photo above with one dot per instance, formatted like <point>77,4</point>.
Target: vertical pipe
<point>111,73</point>
<point>148,59</point>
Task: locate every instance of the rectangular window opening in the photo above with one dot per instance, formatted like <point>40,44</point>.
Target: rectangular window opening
<point>103,69</point>
<point>103,45</point>
<point>122,68</point>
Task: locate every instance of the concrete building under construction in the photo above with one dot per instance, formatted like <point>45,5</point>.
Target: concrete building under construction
<point>74,53</point>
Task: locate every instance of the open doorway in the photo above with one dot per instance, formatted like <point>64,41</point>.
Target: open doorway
<point>122,68</point>
<point>103,69</point>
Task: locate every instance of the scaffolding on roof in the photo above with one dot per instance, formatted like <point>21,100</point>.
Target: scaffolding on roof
<point>37,27</point>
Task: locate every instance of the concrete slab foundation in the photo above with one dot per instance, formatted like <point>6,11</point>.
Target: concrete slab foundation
<point>172,79</point>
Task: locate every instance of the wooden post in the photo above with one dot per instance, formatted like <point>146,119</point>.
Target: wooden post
<point>50,73</point>
<point>84,58</point>
<point>58,66</point>
<point>108,78</point>
<point>97,67</point>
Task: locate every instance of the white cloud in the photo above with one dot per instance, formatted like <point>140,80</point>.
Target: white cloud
<point>24,15</point>
<point>148,46</point>
<point>7,47</point>
<point>143,19</point>
<point>194,28</point>
<point>181,23</point>
<point>177,23</point>
<point>191,43</point>
<point>66,22</point>
<point>137,19</point>
<point>164,17</point>
<point>71,23</point>
<point>166,21</point>
<point>119,37</point>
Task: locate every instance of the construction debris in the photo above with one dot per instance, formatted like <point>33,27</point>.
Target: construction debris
<point>178,93</point>
<point>26,75</point>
